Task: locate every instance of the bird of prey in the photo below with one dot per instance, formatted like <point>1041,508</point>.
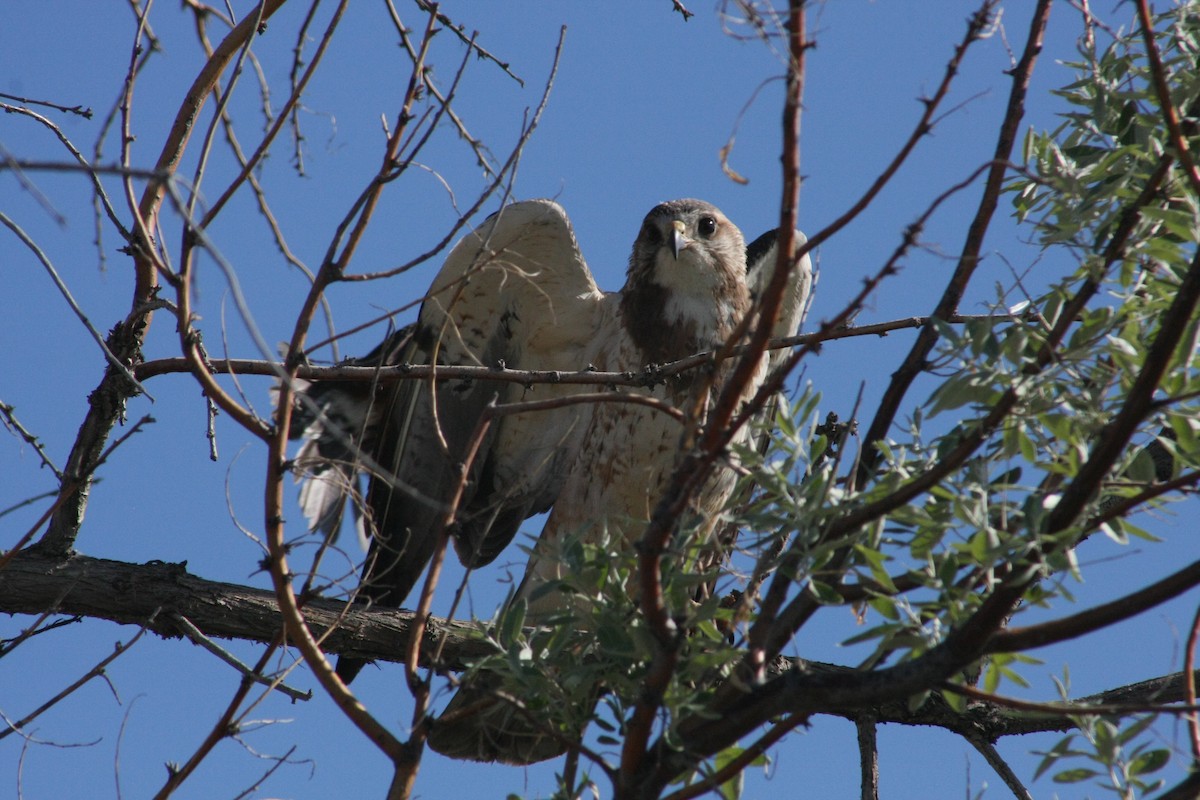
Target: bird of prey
<point>517,292</point>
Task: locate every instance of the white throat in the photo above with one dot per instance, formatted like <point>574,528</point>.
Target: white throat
<point>693,298</point>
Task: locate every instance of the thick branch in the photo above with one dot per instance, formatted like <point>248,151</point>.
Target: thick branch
<point>1013,640</point>
<point>132,594</point>
<point>1114,437</point>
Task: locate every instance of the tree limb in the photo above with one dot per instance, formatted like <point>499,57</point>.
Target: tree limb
<point>130,594</point>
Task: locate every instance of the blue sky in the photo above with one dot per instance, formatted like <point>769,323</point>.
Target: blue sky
<point>641,105</point>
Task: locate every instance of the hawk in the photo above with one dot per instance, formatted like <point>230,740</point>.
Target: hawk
<point>517,292</point>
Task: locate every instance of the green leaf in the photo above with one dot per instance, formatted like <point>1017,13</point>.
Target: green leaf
<point>1135,730</point>
<point>732,788</point>
<point>513,622</point>
<point>1148,762</point>
<point>874,560</point>
<point>1074,775</point>
<point>825,593</point>
<point>615,640</point>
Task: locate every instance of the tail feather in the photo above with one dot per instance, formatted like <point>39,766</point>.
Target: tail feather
<point>348,667</point>
<point>482,724</point>
<point>337,420</point>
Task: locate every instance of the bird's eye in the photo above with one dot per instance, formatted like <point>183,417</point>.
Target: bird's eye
<point>707,226</point>
<point>651,233</point>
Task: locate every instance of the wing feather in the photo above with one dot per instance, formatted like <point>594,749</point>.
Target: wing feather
<point>761,260</point>
<point>334,419</point>
<point>515,292</point>
<point>615,483</point>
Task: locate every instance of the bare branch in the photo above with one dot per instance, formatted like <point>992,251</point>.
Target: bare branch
<point>1015,640</point>
<point>125,341</point>
<point>112,359</point>
<point>1006,773</point>
<point>100,193</point>
<point>915,362</point>
<point>469,41</point>
<point>11,421</point>
<point>649,376</point>
<point>738,764</point>
<point>97,671</point>
<point>1114,437</point>
<point>1189,672</point>
<point>197,637</point>
<point>268,139</point>
<point>86,113</point>
<point>224,728</point>
<point>868,757</point>
<point>1067,710</point>
<point>132,594</point>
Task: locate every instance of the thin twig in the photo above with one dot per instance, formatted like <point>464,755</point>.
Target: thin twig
<point>718,431</point>
<point>222,99</point>
<point>297,629</point>
<point>116,363</point>
<point>192,632</point>
<point>1067,709</point>
<point>1170,114</point>
<point>647,377</point>
<point>739,763</point>
<point>469,41</point>
<point>11,421</point>
<point>86,113</point>
<point>1001,767</point>
<point>482,156</point>
<point>119,649</point>
<point>915,362</point>
<point>269,137</point>
<point>1189,672</point>
<point>223,728</point>
<point>98,188</point>
<point>770,630</point>
<point>493,186</point>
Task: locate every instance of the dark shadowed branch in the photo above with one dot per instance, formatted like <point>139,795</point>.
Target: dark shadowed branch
<point>150,595</point>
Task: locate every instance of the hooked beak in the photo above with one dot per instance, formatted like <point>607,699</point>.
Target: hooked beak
<point>678,239</point>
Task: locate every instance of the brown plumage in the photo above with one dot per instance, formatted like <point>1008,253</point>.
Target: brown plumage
<point>517,290</point>
<point>686,292</point>
<point>514,291</point>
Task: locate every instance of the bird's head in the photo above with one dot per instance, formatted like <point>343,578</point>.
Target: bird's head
<point>686,287</point>
<point>688,246</point>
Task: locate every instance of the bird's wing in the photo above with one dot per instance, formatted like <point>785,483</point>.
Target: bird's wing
<point>336,419</point>
<point>518,293</point>
<point>515,292</point>
<point>761,260</point>
<point>686,291</point>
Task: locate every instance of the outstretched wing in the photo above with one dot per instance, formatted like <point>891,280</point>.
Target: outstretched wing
<point>515,292</point>
<point>624,463</point>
